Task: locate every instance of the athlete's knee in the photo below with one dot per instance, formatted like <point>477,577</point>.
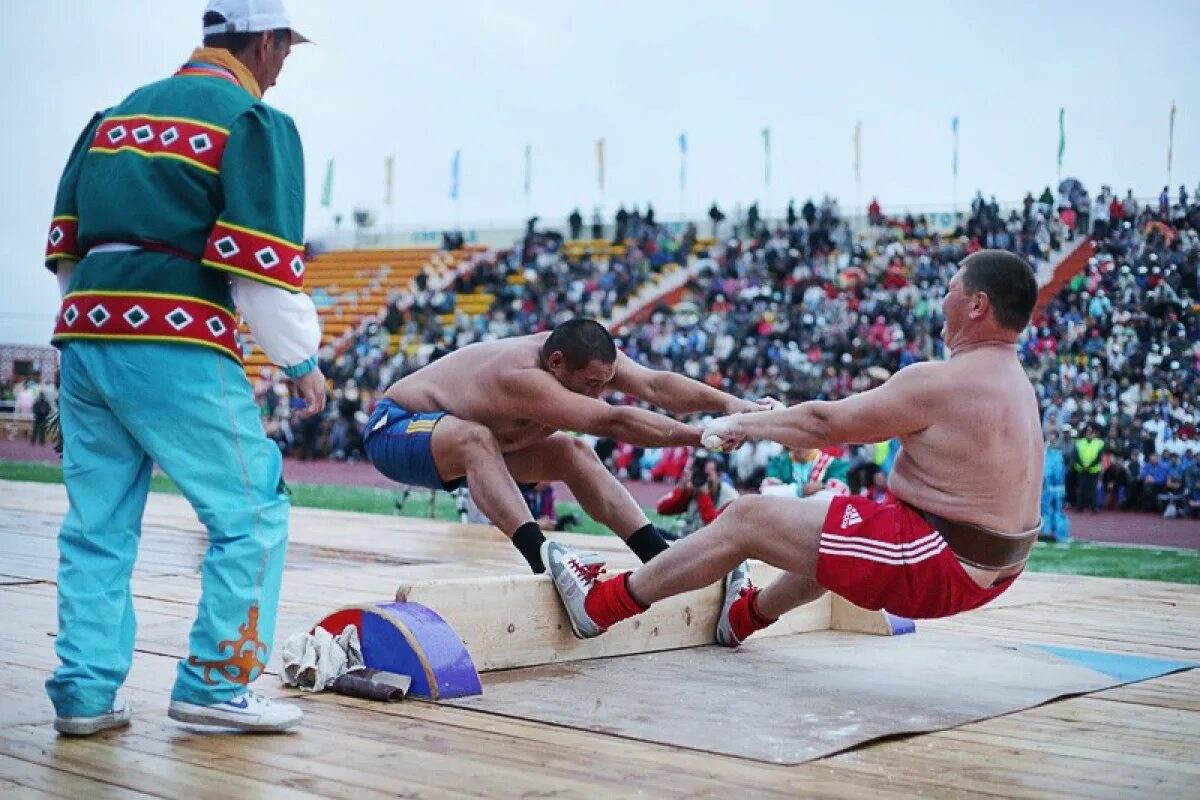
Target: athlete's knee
<point>750,507</point>
<point>578,453</point>
<point>752,516</point>
<point>476,440</point>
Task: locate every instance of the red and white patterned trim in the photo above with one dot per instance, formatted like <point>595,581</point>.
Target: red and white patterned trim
<point>187,140</point>
<point>63,240</point>
<point>148,317</point>
<point>256,255</point>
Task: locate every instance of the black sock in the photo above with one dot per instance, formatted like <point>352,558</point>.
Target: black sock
<point>646,542</point>
<point>528,539</point>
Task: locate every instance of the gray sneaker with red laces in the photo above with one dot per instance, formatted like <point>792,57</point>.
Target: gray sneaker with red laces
<point>573,578</point>
<point>737,583</point>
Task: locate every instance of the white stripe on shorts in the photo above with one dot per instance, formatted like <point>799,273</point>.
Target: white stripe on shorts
<point>875,551</point>
<point>839,539</point>
<point>867,555</point>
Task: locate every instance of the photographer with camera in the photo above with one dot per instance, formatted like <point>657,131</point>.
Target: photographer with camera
<point>540,499</point>
<point>701,494</point>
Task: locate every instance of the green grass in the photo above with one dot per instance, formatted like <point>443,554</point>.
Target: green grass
<point>366,499</point>
<point>1077,558</point>
<point>1112,561</point>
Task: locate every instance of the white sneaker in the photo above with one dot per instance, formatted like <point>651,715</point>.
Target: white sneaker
<point>589,559</point>
<point>118,717</point>
<point>737,583</point>
<point>573,580</point>
<point>247,712</point>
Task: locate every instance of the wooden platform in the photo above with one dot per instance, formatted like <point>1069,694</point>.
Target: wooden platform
<point>1137,740</point>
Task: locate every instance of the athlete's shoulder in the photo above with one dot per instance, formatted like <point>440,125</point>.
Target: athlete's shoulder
<point>922,371</point>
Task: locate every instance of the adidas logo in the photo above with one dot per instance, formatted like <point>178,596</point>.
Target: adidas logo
<point>851,517</point>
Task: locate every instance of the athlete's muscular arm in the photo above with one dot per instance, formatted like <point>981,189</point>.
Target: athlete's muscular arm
<point>907,403</point>
<point>676,393</point>
<point>536,395</point>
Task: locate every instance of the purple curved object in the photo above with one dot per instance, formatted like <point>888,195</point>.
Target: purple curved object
<point>413,640</point>
<point>900,625</point>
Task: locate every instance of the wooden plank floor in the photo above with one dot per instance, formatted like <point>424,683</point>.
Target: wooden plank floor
<point>1137,740</point>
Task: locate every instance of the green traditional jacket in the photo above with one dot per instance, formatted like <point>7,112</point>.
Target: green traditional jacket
<point>187,181</point>
<point>827,469</point>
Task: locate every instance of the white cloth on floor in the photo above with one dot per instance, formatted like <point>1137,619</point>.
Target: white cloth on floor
<point>313,661</point>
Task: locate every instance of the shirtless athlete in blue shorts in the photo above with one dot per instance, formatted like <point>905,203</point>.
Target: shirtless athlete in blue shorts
<point>494,414</point>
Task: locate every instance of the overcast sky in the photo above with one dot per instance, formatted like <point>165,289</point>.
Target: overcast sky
<point>419,80</point>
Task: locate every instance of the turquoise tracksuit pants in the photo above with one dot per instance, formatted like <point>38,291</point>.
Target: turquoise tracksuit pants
<point>124,407</point>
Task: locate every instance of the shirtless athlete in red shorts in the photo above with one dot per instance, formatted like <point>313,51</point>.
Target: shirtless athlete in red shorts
<point>968,482</point>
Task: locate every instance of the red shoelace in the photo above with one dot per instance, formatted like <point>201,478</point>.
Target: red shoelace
<point>587,573</point>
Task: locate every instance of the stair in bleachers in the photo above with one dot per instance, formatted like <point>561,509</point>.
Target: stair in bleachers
<point>350,285</point>
<point>575,248</point>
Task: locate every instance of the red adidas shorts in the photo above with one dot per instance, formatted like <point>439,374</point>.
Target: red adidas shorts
<point>886,556</point>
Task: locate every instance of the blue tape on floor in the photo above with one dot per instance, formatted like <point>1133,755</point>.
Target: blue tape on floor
<point>1116,665</point>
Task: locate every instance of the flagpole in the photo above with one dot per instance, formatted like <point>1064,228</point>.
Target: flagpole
<point>682,177</point>
<point>1170,145</point>
<point>954,166</point>
<point>456,189</point>
<point>600,183</point>
<point>327,195</point>
<point>388,167</point>
<point>1062,140</point>
<point>528,186</point>
<point>766,210</point>
<point>858,209</point>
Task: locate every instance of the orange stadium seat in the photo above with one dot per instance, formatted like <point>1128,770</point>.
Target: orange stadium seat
<point>351,285</point>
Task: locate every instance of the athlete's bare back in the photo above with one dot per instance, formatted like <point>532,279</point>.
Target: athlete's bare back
<point>465,384</point>
<point>980,459</point>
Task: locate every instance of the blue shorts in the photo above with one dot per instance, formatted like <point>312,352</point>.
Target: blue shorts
<point>398,442</point>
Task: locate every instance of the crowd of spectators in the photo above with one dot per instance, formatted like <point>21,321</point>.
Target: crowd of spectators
<point>534,286</point>
<point>804,307</point>
<point>1115,358</point>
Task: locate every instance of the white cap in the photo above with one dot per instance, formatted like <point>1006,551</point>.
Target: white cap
<point>251,16</point>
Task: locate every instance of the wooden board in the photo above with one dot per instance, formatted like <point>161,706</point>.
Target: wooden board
<point>518,621</point>
<point>1134,741</point>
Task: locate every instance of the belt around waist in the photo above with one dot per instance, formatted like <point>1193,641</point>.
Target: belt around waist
<point>983,547</point>
<point>127,247</point>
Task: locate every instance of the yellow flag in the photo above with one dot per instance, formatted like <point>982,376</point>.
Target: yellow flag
<point>600,163</point>
<point>388,163</point>
<point>1171,140</point>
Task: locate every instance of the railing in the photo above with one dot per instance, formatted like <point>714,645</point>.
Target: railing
<point>505,233</point>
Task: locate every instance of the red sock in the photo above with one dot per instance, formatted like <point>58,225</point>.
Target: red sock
<point>609,601</point>
<point>744,616</point>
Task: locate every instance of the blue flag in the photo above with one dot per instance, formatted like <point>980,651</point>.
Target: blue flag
<point>766,137</point>
<point>1062,135</point>
<point>454,175</point>
<point>954,160</point>
<point>528,168</point>
<point>682,160</point>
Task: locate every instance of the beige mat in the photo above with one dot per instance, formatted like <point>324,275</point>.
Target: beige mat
<point>791,699</point>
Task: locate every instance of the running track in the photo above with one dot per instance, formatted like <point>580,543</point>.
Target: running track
<point>1108,526</point>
